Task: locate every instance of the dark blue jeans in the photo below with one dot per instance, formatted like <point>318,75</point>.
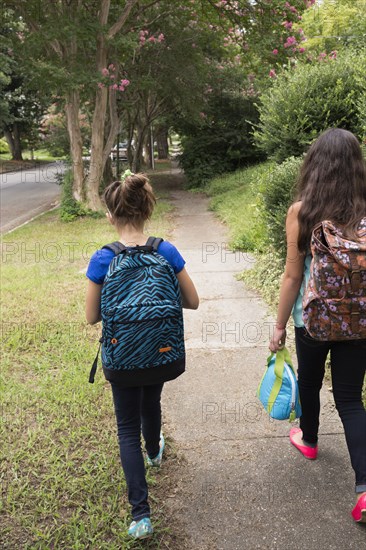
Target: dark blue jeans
<point>137,409</point>
<point>348,367</point>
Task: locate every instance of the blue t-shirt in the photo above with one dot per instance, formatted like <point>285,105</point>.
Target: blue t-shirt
<point>99,262</point>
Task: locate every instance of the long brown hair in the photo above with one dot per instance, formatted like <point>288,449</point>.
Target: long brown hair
<point>131,200</point>
<point>332,184</point>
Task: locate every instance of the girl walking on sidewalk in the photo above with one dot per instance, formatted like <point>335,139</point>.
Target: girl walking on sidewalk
<point>332,186</point>
<point>137,391</point>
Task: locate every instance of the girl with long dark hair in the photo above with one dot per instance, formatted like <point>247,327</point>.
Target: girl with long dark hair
<point>331,186</point>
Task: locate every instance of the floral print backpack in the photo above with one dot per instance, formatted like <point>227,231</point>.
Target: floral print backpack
<point>334,302</point>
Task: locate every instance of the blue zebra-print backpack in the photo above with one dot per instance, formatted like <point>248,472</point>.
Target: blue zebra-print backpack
<point>141,308</point>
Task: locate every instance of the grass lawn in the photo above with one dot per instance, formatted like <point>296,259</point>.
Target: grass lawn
<point>234,198</point>
<point>38,154</point>
<point>40,157</point>
<point>61,481</point>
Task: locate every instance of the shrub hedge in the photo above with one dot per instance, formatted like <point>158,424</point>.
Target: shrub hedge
<point>307,100</point>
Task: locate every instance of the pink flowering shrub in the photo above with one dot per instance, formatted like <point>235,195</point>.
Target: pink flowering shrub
<point>108,75</point>
<point>152,39</point>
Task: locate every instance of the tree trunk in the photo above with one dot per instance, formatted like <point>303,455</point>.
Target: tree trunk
<point>111,130</point>
<point>108,173</point>
<point>17,144</point>
<point>13,138</point>
<point>97,162</point>
<point>161,134</point>
<point>99,153</point>
<point>138,151</point>
<point>97,147</point>
<point>76,144</point>
<point>147,150</point>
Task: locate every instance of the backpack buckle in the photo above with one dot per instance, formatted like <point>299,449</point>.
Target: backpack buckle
<point>355,277</point>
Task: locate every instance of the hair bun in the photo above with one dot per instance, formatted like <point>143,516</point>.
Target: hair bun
<point>136,181</point>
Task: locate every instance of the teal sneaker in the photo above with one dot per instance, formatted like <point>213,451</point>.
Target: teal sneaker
<point>156,462</point>
<point>141,529</point>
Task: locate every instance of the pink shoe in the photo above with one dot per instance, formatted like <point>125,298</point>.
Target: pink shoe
<point>359,511</point>
<point>309,452</point>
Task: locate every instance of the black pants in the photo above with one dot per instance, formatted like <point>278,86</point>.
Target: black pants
<point>348,367</point>
<point>137,409</point>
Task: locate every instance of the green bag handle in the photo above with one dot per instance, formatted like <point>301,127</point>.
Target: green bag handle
<point>282,356</point>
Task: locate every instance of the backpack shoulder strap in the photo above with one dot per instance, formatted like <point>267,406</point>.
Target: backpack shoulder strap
<point>154,242</point>
<point>116,247</point>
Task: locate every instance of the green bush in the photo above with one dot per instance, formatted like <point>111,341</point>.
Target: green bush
<point>277,191</point>
<point>309,99</point>
<point>361,105</point>
<point>70,208</point>
<point>221,141</point>
<point>4,147</point>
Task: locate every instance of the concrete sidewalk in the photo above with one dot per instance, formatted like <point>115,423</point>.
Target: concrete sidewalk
<point>244,486</point>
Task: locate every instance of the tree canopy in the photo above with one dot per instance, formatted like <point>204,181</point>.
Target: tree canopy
<point>135,62</point>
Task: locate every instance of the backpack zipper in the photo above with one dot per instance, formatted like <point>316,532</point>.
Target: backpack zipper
<point>146,320</point>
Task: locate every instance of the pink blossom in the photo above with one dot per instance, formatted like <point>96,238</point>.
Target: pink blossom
<point>161,37</point>
<point>151,39</point>
<point>333,54</point>
<point>114,87</point>
<point>112,76</point>
<point>100,85</point>
<point>121,88</point>
<point>322,56</point>
<point>291,41</point>
<point>125,82</point>
<point>293,9</point>
<point>275,51</point>
<point>111,67</point>
<point>302,50</point>
<point>105,72</point>
<point>272,73</point>
<point>287,24</point>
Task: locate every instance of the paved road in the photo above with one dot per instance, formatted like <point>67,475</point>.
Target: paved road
<point>241,485</point>
<point>27,193</point>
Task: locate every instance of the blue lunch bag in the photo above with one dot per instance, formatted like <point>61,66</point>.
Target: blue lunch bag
<point>278,390</point>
